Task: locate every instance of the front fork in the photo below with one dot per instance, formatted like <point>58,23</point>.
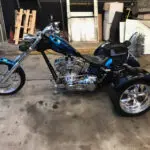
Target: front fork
<point>16,63</point>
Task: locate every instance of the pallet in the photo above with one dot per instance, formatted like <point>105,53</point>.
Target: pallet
<point>24,24</point>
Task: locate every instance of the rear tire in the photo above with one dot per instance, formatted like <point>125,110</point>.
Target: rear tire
<point>127,103</point>
<point>20,73</point>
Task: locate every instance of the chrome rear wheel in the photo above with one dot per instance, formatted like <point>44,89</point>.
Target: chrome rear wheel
<point>135,99</point>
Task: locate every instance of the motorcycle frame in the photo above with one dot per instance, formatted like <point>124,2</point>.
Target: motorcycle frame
<point>16,64</point>
<point>20,58</point>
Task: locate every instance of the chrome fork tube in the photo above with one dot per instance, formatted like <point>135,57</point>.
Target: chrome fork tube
<point>18,60</point>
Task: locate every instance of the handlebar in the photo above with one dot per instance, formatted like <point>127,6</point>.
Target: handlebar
<point>35,42</point>
<point>50,29</point>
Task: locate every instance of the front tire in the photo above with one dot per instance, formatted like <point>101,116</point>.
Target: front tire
<point>132,99</point>
<point>11,86</point>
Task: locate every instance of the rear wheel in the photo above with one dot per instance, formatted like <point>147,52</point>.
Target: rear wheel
<point>15,81</point>
<point>132,99</point>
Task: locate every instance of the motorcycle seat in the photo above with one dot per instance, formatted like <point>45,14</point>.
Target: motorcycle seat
<point>118,45</point>
<point>95,59</point>
<point>116,50</point>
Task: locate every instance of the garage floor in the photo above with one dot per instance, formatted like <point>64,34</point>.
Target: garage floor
<point>38,119</point>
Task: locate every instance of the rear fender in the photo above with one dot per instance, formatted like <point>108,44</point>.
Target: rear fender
<point>133,62</point>
<point>118,84</point>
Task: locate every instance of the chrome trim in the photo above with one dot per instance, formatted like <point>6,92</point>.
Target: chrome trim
<point>28,37</point>
<point>11,84</point>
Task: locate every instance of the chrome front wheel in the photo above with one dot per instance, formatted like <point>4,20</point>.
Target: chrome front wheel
<point>15,81</point>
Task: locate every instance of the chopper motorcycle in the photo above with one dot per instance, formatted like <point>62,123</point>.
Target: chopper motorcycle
<point>111,64</point>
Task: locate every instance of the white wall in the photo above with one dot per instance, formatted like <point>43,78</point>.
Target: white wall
<point>83,29</point>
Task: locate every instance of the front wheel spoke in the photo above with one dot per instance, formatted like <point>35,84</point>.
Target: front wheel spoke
<point>134,102</point>
<point>11,84</point>
<point>127,92</point>
<point>146,99</point>
<point>147,96</point>
<point>142,94</point>
<point>142,88</point>
<point>136,89</point>
<point>138,104</point>
<point>125,100</point>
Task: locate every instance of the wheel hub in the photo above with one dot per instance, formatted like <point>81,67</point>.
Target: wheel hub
<point>11,84</point>
<point>135,99</point>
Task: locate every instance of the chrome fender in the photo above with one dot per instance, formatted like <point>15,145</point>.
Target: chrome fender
<point>7,61</point>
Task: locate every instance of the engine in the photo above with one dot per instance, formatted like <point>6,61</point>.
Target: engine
<point>73,74</point>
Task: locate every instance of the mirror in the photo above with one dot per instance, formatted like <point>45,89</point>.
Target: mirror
<point>56,24</point>
<point>51,18</point>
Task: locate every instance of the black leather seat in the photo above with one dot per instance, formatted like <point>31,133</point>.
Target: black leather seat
<point>119,49</point>
<point>95,59</point>
<point>118,45</point>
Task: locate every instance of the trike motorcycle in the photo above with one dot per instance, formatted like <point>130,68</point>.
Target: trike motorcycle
<point>111,64</point>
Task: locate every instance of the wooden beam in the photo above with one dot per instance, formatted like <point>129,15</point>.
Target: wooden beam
<point>32,22</point>
<point>68,8</point>
<point>26,22</point>
<point>100,26</point>
<point>69,19</point>
<point>81,4</point>
<point>96,18</point>
<point>28,25</point>
<point>95,8</point>
<point>18,26</point>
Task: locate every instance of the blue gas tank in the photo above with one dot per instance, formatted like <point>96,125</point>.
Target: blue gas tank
<point>60,45</point>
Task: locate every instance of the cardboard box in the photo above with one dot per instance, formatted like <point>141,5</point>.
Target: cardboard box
<point>141,17</point>
<point>109,16</point>
<point>106,30</point>
<point>114,6</point>
<point>147,17</point>
<point>111,9</point>
<point>106,6</point>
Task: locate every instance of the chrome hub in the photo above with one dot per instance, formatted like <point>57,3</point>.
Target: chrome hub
<point>11,84</point>
<point>135,99</point>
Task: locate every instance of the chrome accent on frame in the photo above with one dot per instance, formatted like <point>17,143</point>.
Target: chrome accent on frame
<point>73,74</point>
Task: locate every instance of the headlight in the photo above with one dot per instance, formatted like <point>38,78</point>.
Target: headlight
<point>24,46</point>
<point>29,38</point>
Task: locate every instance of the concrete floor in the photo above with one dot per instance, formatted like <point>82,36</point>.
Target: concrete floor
<point>31,120</point>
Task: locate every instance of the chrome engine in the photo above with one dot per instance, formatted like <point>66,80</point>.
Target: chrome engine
<point>73,74</point>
